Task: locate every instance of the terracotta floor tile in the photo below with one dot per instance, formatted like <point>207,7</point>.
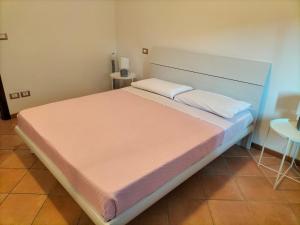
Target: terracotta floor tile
<point>7,126</point>
<point>274,163</point>
<point>38,165</point>
<point>9,179</point>
<point>286,184</point>
<point>192,189</point>
<point>292,196</point>
<point>296,210</point>
<point>271,214</point>
<point>85,220</point>
<point>2,197</point>
<point>22,146</point>
<point>217,167</point>
<point>189,212</point>
<point>10,141</point>
<point>256,153</point>
<point>7,131</point>
<point>258,189</point>
<point>243,166</point>
<point>185,205</point>
<point>155,215</point>
<point>58,190</point>
<point>36,181</point>
<point>20,209</point>
<point>220,187</point>
<point>58,210</point>
<point>231,213</point>
<point>4,154</point>
<point>10,132</point>
<point>236,151</point>
<point>19,159</point>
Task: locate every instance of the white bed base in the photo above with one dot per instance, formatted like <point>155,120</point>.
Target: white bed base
<point>238,78</point>
<point>143,204</point>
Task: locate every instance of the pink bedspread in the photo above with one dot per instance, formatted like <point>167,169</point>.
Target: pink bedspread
<point>115,147</point>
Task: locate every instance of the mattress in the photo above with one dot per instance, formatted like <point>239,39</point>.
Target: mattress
<point>117,147</point>
<point>231,127</point>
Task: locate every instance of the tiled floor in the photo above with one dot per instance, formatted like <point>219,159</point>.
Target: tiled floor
<point>231,190</point>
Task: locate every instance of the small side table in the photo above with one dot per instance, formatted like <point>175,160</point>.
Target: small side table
<point>117,76</point>
<point>286,129</point>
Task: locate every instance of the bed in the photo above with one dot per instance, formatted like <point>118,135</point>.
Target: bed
<point>132,147</point>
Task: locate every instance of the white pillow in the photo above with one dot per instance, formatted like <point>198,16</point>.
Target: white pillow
<point>215,103</point>
<point>161,87</point>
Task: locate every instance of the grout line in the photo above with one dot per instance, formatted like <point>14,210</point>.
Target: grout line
<point>236,183</point>
<point>3,149</point>
<point>14,168</point>
<point>4,198</point>
<point>39,209</point>
<point>168,211</point>
<point>10,192</point>
<point>243,200</point>
<point>26,193</point>
<point>228,167</point>
<point>239,188</point>
<point>82,213</point>
<point>289,205</point>
<point>210,212</point>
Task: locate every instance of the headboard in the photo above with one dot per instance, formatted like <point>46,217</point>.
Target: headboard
<point>238,78</point>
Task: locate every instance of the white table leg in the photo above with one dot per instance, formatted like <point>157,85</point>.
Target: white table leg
<point>263,148</point>
<point>279,173</point>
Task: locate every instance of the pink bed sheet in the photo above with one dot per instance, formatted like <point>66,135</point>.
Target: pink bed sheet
<point>116,148</point>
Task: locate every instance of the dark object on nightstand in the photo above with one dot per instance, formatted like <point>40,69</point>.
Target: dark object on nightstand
<point>298,124</point>
<point>124,73</point>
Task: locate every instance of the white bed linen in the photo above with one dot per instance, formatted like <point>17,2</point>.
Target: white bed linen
<point>161,87</point>
<point>230,126</point>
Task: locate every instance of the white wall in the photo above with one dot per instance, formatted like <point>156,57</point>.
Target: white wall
<point>55,49</point>
<point>261,30</point>
<point>61,48</point>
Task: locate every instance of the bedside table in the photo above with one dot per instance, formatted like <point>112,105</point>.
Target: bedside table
<point>117,76</point>
<point>286,129</point>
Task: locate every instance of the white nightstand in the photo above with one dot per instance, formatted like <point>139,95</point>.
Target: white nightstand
<point>117,76</point>
<point>286,129</point>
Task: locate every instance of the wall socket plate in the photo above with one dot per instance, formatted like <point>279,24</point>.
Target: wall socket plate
<point>25,94</point>
<point>14,95</point>
<point>145,51</point>
<point>3,36</point>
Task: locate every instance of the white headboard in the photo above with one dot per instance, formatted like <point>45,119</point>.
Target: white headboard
<point>238,78</point>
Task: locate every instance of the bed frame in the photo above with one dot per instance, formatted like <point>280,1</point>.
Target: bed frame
<point>238,78</point>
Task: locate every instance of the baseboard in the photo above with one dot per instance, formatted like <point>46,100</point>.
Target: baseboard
<point>274,153</point>
<point>14,115</point>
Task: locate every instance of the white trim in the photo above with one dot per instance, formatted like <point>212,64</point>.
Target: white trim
<point>140,206</point>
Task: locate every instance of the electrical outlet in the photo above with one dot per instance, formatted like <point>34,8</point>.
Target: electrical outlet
<point>14,95</point>
<point>3,36</point>
<point>145,51</point>
<point>25,94</point>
